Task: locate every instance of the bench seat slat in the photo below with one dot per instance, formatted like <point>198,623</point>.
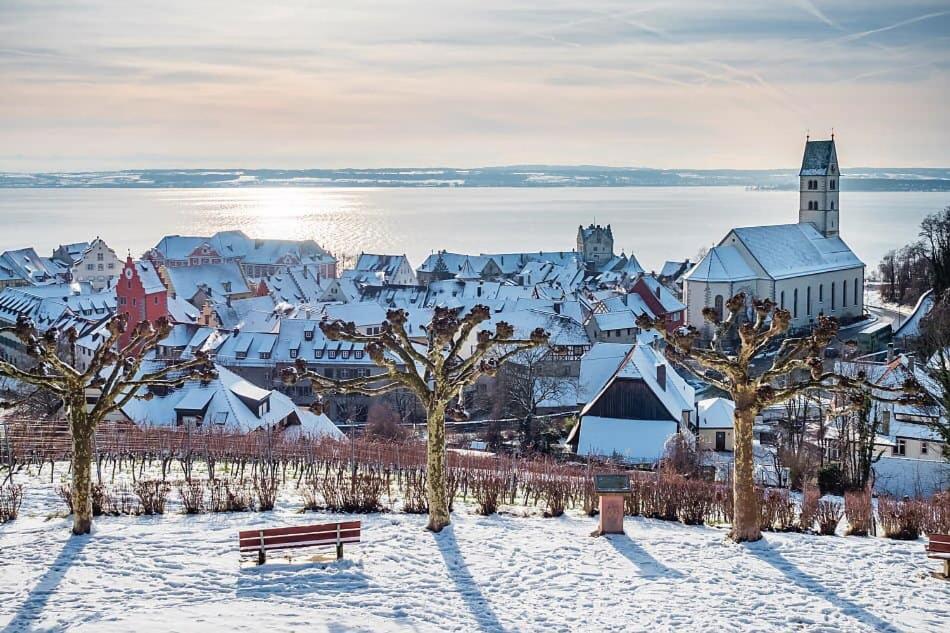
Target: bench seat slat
<point>270,541</point>
<point>297,544</point>
<point>941,556</point>
<point>299,529</point>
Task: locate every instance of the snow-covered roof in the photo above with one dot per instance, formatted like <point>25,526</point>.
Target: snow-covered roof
<point>149,277</point>
<point>791,250</point>
<point>715,413</point>
<point>597,366</point>
<point>634,440</point>
<point>312,426</point>
<point>662,294</point>
<point>218,280</point>
<point>624,319</point>
<point>818,158</point>
<point>721,263</point>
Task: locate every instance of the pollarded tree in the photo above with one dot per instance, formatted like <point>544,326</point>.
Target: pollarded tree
<point>113,372</point>
<point>795,368</point>
<point>437,372</point>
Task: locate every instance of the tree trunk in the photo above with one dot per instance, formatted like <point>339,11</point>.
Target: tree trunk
<point>83,435</point>
<point>435,469</point>
<point>745,521</point>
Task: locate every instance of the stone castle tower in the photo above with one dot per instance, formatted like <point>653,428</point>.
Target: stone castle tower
<point>595,244</point>
<point>818,187</point>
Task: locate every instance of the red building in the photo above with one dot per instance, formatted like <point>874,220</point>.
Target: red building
<point>140,294</point>
<point>661,301</point>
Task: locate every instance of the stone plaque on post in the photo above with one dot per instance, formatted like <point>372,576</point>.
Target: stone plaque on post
<point>613,491</point>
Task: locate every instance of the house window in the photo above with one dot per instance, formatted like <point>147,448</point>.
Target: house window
<point>265,355</point>
<point>923,448</point>
<point>90,266</point>
<point>99,257</point>
<point>240,355</point>
<point>318,353</point>
<point>358,354</point>
<point>331,353</point>
<point>832,184</point>
<point>293,352</point>
<point>900,447</point>
<point>345,354</point>
<point>308,335</point>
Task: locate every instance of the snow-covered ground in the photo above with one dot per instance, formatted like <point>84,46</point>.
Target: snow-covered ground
<point>505,572</point>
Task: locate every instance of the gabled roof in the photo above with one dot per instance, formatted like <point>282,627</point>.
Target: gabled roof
<point>715,413</point>
<point>818,158</point>
<point>721,263</point>
<point>791,250</point>
<point>662,294</point>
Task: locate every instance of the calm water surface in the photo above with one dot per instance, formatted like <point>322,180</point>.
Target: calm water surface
<point>655,224</point>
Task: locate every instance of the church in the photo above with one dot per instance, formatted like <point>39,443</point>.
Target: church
<point>805,267</point>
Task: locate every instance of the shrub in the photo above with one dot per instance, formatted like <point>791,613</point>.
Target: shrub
<point>776,510</point>
<point>831,480</point>
<point>828,515</point>
<point>414,499</point>
<point>487,489</point>
<point>192,495</point>
<point>809,512</point>
<point>697,500</point>
<point>310,492</point>
<point>936,514</point>
<point>901,520</point>
<point>11,497</point>
<point>352,490</point>
<point>266,486</point>
<point>859,512</point>
<point>228,496</point>
<point>152,494</point>
<point>121,500</point>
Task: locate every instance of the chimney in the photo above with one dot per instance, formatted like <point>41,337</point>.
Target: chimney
<point>661,376</point>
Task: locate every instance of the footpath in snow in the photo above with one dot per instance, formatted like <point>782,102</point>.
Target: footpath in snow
<point>501,573</point>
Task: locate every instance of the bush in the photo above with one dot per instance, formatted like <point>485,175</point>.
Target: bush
<point>152,494</point>
<point>901,520</point>
<point>351,490</point>
<point>828,515</point>
<point>487,489</point>
<point>415,500</point>
<point>831,480</point>
<point>936,514</point>
<point>11,497</point>
<point>697,499</point>
<point>811,497</point>
<point>776,510</point>
<point>192,495</point>
<point>859,512</point>
<point>121,500</point>
<point>228,496</point>
<point>266,486</point>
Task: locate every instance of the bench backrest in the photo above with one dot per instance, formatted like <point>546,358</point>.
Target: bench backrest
<point>300,536</point>
<point>939,543</point>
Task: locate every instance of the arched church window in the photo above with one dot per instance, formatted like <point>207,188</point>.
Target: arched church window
<point>832,295</point>
<point>821,293</point>
<point>844,293</point>
<point>719,303</point>
<point>832,183</point>
<point>832,205</point>
<point>856,286</point>
<point>795,303</point>
<point>808,300</point>
<point>781,300</point>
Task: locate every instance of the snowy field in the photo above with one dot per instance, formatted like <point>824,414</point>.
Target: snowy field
<point>499,573</point>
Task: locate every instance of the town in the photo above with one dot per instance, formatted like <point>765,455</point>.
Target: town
<point>542,376</point>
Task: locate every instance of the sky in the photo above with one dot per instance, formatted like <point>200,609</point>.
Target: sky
<point>103,84</point>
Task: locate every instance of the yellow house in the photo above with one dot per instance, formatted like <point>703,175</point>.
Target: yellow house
<point>714,424</point>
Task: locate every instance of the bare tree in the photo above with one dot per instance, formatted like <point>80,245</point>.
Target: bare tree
<point>795,449</point>
<point>796,364</point>
<point>437,373</point>
<point>526,382</point>
<point>934,344</point>
<point>114,372</point>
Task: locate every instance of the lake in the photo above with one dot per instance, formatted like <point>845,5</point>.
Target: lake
<point>654,223</point>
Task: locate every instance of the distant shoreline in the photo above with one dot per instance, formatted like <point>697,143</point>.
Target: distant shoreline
<point>531,176</point>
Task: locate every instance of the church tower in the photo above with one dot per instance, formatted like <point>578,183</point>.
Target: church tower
<point>818,187</point>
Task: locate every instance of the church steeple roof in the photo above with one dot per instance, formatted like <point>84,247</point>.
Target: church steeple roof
<point>818,158</point>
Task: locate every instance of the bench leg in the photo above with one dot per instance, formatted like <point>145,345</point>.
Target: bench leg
<point>339,551</point>
<point>946,568</point>
<point>261,556</point>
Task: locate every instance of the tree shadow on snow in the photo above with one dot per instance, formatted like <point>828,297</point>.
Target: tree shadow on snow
<point>648,566</point>
<point>464,582</point>
<point>46,586</point>
<point>764,552</point>
<point>275,580</point>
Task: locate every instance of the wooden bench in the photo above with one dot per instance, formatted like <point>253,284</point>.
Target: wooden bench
<point>264,540</point>
<point>938,546</point>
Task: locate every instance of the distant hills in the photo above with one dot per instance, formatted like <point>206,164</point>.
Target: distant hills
<point>861,179</point>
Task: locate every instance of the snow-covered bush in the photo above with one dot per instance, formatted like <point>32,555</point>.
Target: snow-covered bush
<point>192,494</point>
<point>11,496</point>
<point>811,496</point>
<point>152,494</point>
<point>859,512</point>
<point>900,519</point>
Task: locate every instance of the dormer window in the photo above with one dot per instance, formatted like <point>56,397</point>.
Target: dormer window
<point>308,335</point>
<point>318,353</point>
<point>293,352</point>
